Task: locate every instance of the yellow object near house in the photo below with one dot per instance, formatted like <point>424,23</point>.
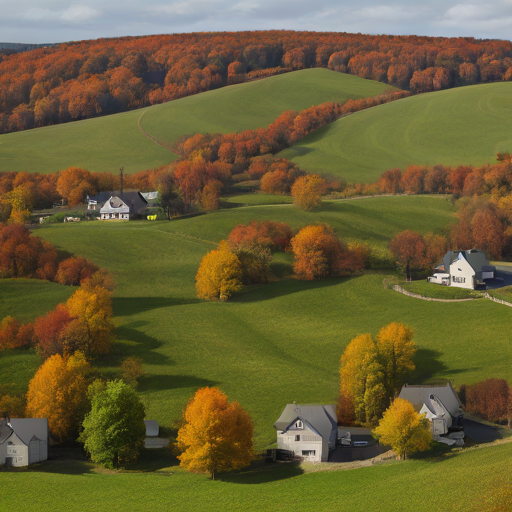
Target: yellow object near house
<point>151,217</point>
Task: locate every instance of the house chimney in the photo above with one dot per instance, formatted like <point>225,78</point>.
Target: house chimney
<point>121,169</point>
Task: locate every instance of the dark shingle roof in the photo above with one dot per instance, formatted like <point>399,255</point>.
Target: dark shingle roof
<point>133,199</point>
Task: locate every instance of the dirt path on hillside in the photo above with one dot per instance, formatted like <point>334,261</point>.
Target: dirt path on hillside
<point>153,138</point>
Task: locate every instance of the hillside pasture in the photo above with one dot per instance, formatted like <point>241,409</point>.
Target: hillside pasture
<point>109,142</point>
<point>465,125</point>
<point>279,342</point>
<point>398,486</point>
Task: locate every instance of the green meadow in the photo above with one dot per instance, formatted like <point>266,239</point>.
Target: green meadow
<point>271,344</point>
<point>109,142</point>
<point>465,125</point>
<point>465,481</point>
<point>275,343</point>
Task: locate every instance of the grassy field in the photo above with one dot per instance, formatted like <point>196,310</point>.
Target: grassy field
<point>437,291</point>
<point>270,345</point>
<point>106,143</point>
<point>398,486</point>
<point>256,345</point>
<point>466,125</point>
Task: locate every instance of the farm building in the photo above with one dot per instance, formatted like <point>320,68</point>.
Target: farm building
<point>464,269</point>
<point>440,404</point>
<point>309,431</point>
<point>118,205</point>
<point>23,441</point>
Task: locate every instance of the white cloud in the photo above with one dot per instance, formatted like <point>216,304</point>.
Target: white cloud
<point>38,14</point>
<point>386,13</point>
<point>466,12</point>
<point>77,13</point>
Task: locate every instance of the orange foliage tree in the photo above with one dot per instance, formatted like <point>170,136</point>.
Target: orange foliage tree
<point>91,329</point>
<point>318,253</point>
<point>217,435</point>
<point>275,235</point>
<point>307,191</point>
<point>490,399</point>
<point>58,392</point>
<point>219,274</point>
<point>409,248</point>
<point>48,330</point>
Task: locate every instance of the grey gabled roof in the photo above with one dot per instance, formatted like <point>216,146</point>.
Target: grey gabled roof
<point>152,428</point>
<point>133,199</point>
<point>5,431</point>
<point>321,418</point>
<point>418,395</point>
<point>476,258</point>
<point>27,428</point>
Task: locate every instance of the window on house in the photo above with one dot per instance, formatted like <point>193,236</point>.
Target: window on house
<point>308,453</point>
<point>299,424</point>
<point>297,438</point>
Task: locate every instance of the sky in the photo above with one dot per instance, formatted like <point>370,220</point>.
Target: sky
<point>51,21</point>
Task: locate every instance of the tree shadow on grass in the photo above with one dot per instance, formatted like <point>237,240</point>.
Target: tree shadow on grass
<point>126,306</point>
<point>430,369</point>
<point>163,382</point>
<point>260,472</point>
<point>268,291</point>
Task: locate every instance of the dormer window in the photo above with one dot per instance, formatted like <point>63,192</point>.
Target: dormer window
<point>298,424</point>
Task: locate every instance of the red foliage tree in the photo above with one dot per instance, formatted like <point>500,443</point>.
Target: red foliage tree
<point>490,399</point>
<point>408,248</point>
<point>48,330</point>
<point>75,270</point>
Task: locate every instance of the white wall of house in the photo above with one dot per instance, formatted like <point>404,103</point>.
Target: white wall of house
<point>462,274</point>
<point>17,451</point>
<point>3,452</point>
<point>305,443</point>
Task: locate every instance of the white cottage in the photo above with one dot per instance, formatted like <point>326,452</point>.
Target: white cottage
<point>309,431</point>
<point>464,269</point>
<point>23,441</point>
<point>115,208</point>
<point>440,404</point>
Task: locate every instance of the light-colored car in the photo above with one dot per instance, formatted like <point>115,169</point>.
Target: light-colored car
<point>439,279</point>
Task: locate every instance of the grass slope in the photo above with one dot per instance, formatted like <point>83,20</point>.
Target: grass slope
<point>398,486</point>
<point>255,346</point>
<point>106,143</point>
<point>26,299</point>
<point>466,125</point>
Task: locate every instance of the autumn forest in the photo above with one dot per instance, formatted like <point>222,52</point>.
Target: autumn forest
<point>84,79</point>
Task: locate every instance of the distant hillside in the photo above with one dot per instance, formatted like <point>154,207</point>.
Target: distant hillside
<point>467,125</point>
<point>84,79</point>
<point>22,47</point>
<point>106,143</point>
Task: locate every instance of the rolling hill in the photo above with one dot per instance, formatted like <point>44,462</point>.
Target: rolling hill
<point>106,143</point>
<point>255,345</point>
<point>466,125</point>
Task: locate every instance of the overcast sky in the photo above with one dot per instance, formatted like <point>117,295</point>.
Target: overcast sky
<point>49,21</point>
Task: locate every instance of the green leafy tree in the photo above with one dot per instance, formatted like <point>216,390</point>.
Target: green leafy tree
<point>114,430</point>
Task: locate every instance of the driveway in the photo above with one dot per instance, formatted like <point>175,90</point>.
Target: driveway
<point>481,433</point>
<point>351,453</point>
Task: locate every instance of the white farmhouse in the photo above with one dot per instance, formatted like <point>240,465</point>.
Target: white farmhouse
<point>118,205</point>
<point>23,441</point>
<point>464,269</point>
<point>309,431</point>
<point>115,208</point>
<point>440,404</point>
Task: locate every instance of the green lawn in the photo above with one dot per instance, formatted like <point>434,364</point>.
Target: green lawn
<point>254,346</point>
<point>465,125</point>
<point>438,291</point>
<point>107,143</point>
<point>465,481</point>
<point>270,345</point>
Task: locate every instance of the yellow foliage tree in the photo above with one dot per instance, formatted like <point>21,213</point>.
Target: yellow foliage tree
<point>307,191</point>
<point>402,428</point>
<point>219,274</point>
<point>58,392</point>
<point>217,435</point>
<point>362,381</point>
<point>396,350</point>
<point>92,330</point>
<point>21,202</point>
